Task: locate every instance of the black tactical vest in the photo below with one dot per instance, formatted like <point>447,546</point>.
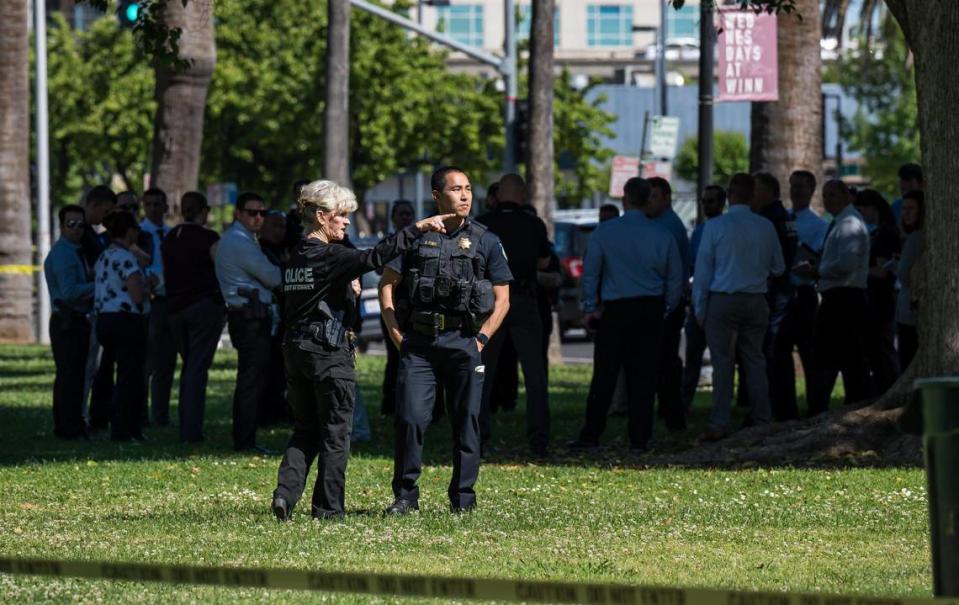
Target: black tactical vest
<point>446,274</point>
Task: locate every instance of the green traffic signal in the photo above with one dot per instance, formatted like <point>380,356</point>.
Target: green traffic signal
<point>128,12</point>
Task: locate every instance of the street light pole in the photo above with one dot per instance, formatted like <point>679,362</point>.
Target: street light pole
<point>508,70</point>
<point>707,42</point>
<point>661,59</point>
<point>43,171</point>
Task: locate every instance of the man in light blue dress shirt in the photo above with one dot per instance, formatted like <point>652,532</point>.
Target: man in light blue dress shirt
<point>713,204</point>
<point>738,254</point>
<point>812,234</point>
<point>669,385</point>
<point>636,267</point>
<point>71,285</point>
<point>247,278</point>
<point>161,347</point>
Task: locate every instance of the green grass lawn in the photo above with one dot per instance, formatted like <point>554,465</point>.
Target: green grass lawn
<point>605,519</point>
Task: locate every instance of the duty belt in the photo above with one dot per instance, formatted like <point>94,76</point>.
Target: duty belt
<point>430,323</point>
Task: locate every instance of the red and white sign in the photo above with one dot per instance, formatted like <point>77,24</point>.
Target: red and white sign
<point>663,170</point>
<point>748,57</point>
<point>625,167</point>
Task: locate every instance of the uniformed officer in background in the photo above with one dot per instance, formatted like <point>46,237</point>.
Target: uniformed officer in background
<point>318,348</point>
<point>527,247</point>
<point>442,301</point>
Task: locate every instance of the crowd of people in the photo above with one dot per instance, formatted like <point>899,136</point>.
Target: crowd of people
<point>465,302</point>
<point>754,283</point>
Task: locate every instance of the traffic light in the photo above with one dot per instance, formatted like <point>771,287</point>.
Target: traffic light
<point>128,12</point>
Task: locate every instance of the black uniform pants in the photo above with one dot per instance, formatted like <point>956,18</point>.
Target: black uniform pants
<point>525,329</point>
<point>839,347</point>
<point>505,389</point>
<point>274,408</point>
<point>804,313</point>
<point>669,385</point>
<point>70,341</point>
<point>629,335</point>
<point>125,335</point>
<point>778,350</point>
<point>388,404</point>
<point>196,330</point>
<point>451,360</point>
<point>322,407</point>
<point>251,338</point>
<point>161,361</point>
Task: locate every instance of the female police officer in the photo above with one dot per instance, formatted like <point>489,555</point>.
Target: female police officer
<point>317,346</point>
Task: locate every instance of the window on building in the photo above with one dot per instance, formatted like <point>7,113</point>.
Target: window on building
<point>682,23</point>
<point>526,23</point>
<point>609,25</point>
<point>463,23</point>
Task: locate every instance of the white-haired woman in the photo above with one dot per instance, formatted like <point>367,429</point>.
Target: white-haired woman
<point>318,347</point>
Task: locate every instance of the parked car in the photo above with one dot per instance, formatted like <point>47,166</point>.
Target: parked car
<point>369,307</point>
<point>572,230</point>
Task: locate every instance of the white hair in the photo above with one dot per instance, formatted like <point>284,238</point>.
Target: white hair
<point>326,196</point>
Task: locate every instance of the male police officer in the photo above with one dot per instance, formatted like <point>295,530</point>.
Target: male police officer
<point>524,237</point>
<point>442,301</point>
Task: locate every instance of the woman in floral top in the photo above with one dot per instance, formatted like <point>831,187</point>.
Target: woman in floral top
<point>121,300</point>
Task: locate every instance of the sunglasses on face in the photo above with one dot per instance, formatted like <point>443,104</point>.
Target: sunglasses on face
<point>256,212</point>
<point>74,223</point>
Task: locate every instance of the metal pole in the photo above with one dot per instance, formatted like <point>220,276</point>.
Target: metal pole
<point>43,171</point>
<point>839,136</point>
<point>661,59</point>
<point>419,12</point>
<point>707,42</point>
<point>418,202</point>
<point>509,80</point>
<point>388,15</point>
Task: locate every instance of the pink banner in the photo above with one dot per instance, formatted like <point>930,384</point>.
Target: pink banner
<point>748,60</point>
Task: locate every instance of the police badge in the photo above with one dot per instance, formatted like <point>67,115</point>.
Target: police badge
<point>465,243</point>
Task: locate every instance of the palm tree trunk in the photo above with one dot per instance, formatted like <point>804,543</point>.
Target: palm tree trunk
<point>337,115</point>
<point>787,135</point>
<point>181,100</point>
<point>16,256</point>
<point>540,169</point>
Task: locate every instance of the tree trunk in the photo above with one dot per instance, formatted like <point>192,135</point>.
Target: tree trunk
<point>787,135</point>
<point>16,277</point>
<point>181,100</point>
<point>540,168</point>
<point>932,33</point>
<point>336,139</point>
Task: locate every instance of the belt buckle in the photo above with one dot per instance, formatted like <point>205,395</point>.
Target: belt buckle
<point>440,321</point>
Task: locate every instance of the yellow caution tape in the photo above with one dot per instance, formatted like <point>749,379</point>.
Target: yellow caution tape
<point>19,269</point>
<point>435,586</point>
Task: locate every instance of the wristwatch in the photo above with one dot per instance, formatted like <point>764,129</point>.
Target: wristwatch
<point>483,339</point>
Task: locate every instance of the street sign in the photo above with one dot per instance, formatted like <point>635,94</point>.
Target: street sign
<point>664,137</point>
<point>625,167</point>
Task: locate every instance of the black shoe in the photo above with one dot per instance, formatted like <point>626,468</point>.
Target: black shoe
<point>401,506</point>
<point>582,445</point>
<point>638,450</point>
<point>281,509</point>
<point>458,510</point>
